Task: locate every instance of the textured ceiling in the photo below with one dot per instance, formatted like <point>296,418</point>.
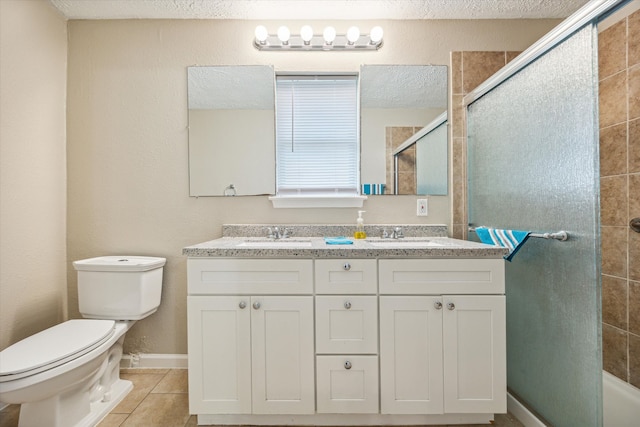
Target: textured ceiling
<point>403,86</point>
<point>317,9</point>
<point>381,86</point>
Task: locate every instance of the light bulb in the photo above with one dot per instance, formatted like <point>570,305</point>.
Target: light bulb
<point>261,34</point>
<point>284,34</point>
<point>329,35</point>
<point>376,35</point>
<point>306,34</point>
<point>353,34</point>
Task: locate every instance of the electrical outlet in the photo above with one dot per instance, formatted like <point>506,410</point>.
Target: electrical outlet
<point>422,207</point>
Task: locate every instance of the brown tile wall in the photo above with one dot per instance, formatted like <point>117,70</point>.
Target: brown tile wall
<point>619,71</point>
<point>406,160</point>
<point>468,70</point>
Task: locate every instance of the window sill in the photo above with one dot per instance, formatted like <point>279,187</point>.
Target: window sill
<point>317,201</point>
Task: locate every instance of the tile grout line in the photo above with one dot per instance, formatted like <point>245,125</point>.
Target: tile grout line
<point>139,403</point>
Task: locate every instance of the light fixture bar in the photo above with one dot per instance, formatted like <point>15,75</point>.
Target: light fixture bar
<point>311,42</point>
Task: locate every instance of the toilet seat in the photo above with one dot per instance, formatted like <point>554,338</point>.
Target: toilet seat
<point>53,347</point>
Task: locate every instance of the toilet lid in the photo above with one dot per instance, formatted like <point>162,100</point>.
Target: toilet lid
<point>53,347</point>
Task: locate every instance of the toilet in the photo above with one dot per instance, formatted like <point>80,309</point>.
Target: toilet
<point>68,375</point>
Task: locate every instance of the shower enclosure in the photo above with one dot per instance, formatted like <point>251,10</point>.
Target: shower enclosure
<point>533,164</point>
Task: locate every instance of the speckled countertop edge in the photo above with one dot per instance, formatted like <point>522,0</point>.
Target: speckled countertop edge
<point>313,246</point>
<point>333,230</point>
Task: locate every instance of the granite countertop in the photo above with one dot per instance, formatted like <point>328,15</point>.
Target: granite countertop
<point>420,242</point>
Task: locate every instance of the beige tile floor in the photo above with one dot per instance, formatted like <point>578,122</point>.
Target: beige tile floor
<point>160,399</point>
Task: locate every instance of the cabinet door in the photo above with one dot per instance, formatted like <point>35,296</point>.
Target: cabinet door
<point>475,354</point>
<point>282,355</point>
<point>219,355</point>
<point>411,377</point>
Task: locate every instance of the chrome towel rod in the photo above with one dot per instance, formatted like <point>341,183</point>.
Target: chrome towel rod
<point>560,235</point>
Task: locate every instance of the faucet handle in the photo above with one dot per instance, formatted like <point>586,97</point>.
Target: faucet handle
<point>398,233</point>
<point>385,233</point>
<point>286,233</point>
<point>270,234</point>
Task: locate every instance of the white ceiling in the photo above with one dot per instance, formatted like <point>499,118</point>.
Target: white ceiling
<point>316,9</point>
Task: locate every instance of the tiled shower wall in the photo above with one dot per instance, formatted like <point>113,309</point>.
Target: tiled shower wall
<point>619,73</point>
<point>468,70</point>
<point>407,183</point>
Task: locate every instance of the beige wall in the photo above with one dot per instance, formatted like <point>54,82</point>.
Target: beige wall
<point>127,140</point>
<point>33,61</point>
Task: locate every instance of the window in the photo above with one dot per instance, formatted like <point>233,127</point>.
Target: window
<point>317,135</point>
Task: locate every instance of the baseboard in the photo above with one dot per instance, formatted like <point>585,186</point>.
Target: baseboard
<point>521,412</point>
<point>157,361</point>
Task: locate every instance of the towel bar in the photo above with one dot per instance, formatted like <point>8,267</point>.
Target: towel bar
<point>560,235</point>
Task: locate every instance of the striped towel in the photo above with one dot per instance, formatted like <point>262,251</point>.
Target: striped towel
<point>511,239</point>
<point>373,188</point>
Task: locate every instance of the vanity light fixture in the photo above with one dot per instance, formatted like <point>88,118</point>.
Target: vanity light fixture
<point>307,40</point>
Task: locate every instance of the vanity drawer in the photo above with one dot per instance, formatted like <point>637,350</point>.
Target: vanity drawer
<point>346,324</point>
<point>438,276</point>
<point>249,276</point>
<point>346,276</point>
<point>347,384</point>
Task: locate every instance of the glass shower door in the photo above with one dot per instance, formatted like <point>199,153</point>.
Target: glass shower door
<point>533,165</point>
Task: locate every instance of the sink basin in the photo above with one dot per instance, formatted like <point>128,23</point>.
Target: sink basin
<point>392,243</point>
<point>282,243</point>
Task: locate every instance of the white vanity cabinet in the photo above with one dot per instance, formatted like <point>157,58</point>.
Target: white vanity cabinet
<point>442,352</point>
<point>367,341</point>
<point>250,353</point>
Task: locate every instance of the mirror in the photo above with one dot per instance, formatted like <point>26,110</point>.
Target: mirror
<point>430,157</point>
<point>231,130</point>
<point>232,135</point>
<point>398,104</point>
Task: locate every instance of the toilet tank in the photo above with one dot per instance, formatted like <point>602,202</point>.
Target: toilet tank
<point>119,287</point>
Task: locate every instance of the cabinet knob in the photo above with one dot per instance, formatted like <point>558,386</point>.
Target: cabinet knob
<point>242,304</point>
<point>451,306</point>
<point>256,305</point>
<point>437,305</point>
<point>346,266</point>
<point>347,305</point>
<point>347,365</point>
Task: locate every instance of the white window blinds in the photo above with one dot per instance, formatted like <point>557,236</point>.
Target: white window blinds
<point>317,135</point>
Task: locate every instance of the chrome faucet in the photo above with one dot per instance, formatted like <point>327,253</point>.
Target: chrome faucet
<point>396,233</point>
<point>276,233</point>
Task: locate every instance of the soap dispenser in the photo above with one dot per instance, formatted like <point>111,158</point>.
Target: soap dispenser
<point>359,233</point>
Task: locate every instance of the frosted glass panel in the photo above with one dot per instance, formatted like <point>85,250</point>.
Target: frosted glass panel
<point>431,161</point>
<point>533,165</point>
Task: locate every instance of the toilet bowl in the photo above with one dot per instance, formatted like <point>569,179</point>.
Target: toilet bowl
<point>68,375</point>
